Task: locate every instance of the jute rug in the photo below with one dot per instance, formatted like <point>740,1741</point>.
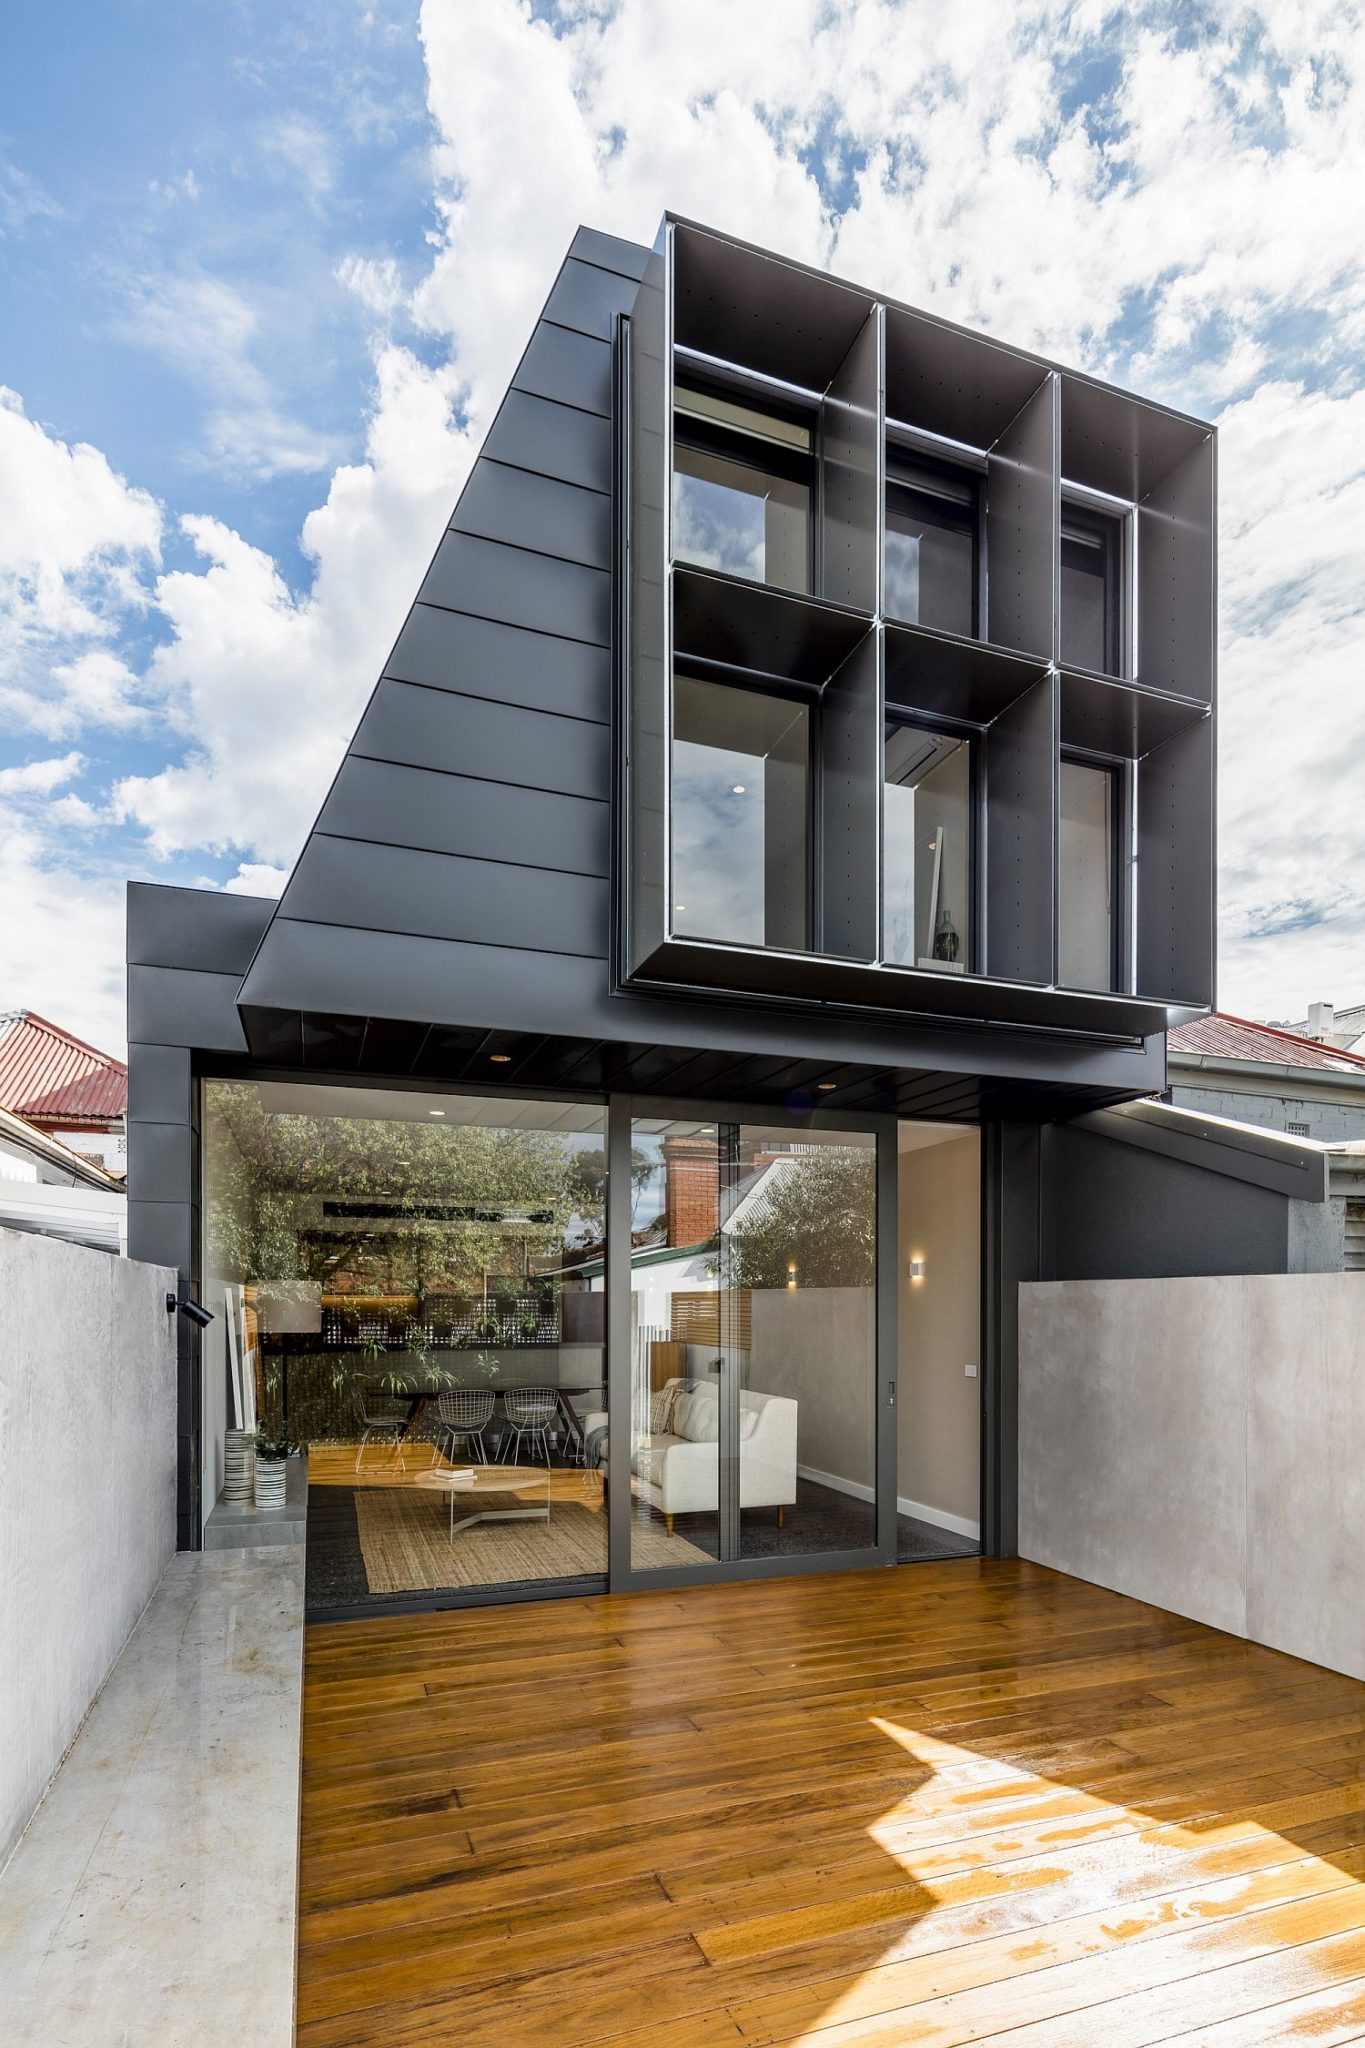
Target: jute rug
<point>406,1544</point>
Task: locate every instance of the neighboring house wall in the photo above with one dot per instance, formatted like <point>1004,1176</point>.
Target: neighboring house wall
<point>1195,1443</point>
<point>87,1489</point>
<point>1317,1115</point>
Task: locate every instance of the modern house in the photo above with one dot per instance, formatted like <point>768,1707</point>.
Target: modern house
<point>796,769</point>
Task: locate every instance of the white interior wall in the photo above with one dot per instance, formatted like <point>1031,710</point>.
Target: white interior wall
<point>939,1327</point>
<point>87,1489</point>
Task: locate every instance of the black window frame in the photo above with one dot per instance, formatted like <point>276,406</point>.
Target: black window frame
<point>1117,769</point>
<point>1089,525</point>
<point>901,715</point>
<point>911,472</point>
<point>758,684</point>
<point>750,451</point>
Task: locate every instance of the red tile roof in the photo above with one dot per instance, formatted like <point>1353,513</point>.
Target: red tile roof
<point>56,1080</point>
<point>1222,1037</point>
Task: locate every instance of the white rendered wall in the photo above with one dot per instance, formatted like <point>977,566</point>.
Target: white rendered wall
<point>87,1489</point>
<point>1197,1443</point>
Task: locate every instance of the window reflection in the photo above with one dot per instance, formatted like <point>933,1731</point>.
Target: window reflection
<point>741,490</point>
<point>1090,591</point>
<point>931,546</point>
<point>740,807</point>
<point>928,819</point>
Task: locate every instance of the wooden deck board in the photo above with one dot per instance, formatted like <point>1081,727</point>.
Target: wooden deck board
<point>969,1801</point>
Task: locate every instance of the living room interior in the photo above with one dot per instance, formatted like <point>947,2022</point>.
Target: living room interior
<point>411,1288</point>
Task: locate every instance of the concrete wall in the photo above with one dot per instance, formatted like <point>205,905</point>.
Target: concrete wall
<point>1196,1443</point>
<point>87,1489</point>
<point>939,1334</point>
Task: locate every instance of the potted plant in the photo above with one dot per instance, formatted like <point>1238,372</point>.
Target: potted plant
<point>529,1326</point>
<point>272,1455</point>
<point>486,1327</point>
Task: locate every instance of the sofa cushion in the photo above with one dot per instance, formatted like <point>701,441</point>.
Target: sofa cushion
<point>696,1415</point>
<point>648,1461</point>
<point>661,1407</point>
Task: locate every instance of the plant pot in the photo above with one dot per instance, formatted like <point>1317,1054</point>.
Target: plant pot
<point>239,1467</point>
<point>270,1482</point>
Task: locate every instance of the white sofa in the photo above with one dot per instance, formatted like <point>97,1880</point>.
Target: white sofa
<point>677,1470</point>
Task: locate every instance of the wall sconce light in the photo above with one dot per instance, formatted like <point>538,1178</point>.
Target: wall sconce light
<point>915,1268</point>
<point>791,1276</point>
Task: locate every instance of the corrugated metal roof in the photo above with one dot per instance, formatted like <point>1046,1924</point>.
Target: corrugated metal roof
<point>55,1079</point>
<point>1222,1037</point>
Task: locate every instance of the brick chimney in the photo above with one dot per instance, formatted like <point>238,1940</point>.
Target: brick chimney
<point>691,1191</point>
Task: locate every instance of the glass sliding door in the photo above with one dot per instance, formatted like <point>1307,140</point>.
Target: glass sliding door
<point>801,1258</point>
<point>408,1290</point>
<point>752,1342</point>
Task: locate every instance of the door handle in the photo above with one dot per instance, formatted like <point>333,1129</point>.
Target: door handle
<point>891,1393</point>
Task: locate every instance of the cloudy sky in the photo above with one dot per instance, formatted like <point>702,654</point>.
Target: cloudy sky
<point>265,271</point>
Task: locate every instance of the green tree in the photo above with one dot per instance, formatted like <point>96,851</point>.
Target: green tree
<point>818,1215</point>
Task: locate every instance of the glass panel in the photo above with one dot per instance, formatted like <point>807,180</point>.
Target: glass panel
<point>1089,593</point>
<point>927,800</point>
<point>753,1342</point>
<point>740,809</point>
<point>680,1336</point>
<point>1085,901</point>
<point>930,559</point>
<point>800,1257</point>
<point>738,517</point>
<point>409,1287</point>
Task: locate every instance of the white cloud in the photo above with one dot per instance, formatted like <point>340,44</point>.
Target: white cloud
<point>207,330</point>
<point>256,878</point>
<point>63,952</point>
<point>1190,229</point>
<point>305,151</point>
<point>268,685</point>
<point>376,281</point>
<point>75,542</point>
<point>40,778</point>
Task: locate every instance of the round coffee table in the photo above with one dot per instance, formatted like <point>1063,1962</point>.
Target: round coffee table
<point>491,1482</point>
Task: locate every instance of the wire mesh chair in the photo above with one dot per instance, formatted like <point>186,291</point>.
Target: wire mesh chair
<point>383,1418</point>
<point>530,1412</point>
<point>463,1418</point>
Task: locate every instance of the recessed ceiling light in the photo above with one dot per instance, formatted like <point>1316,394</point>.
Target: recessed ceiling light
<point>826,1084</point>
<point>500,1059</point>
<point>737,789</point>
<point>435,1112</point>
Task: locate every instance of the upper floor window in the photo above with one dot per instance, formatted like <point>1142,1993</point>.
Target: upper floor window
<point>740,815</point>
<point>927,877</point>
<point>743,489</point>
<point>1087,868</point>
<point>1092,590</point>
<point>931,569</point>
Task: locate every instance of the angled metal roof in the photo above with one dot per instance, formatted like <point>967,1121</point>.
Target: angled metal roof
<point>54,1079</point>
<point>1223,1037</point>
